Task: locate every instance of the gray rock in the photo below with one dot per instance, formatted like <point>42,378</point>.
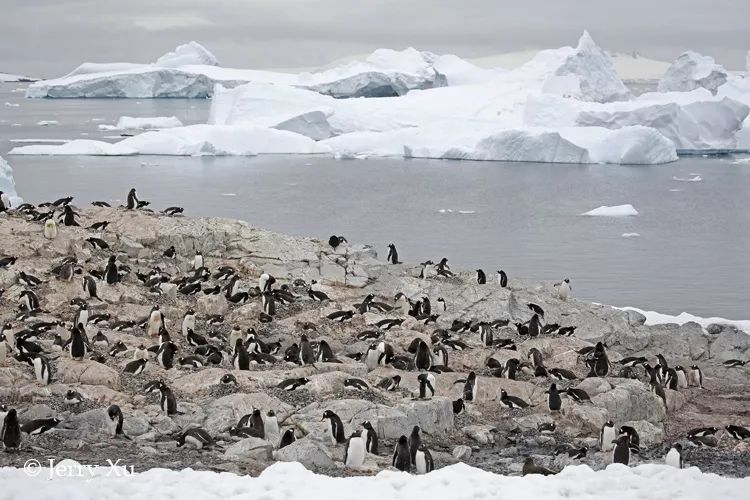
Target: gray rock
<point>249,449</point>
<point>461,452</point>
<point>312,454</point>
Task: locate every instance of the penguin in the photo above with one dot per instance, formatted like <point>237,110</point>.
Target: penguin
<point>228,379</point>
<point>682,378</point>
<point>165,355</point>
<point>188,321</point>
<point>197,437</point>
<point>401,455</point>
<point>458,406</point>
<point>695,378</point>
<point>554,402</point>
<point>287,439</point>
<point>42,370</point>
<point>271,429</point>
<point>39,426</point>
<point>738,432</point>
<point>198,260</point>
<point>529,467</point>
<point>317,295</point>
<point>69,217</point>
<point>563,289</point>
<point>423,462</point>
<point>415,442</point>
<point>546,427</point>
<point>139,352</point>
<point>334,241</point>
<point>392,254</point>
<point>114,421</point>
<point>502,278</point>
<point>371,437</point>
<point>29,300</point>
<point>536,309</point>
<point>470,387</point>
<point>426,381</point>
<point>534,326</point>
<point>89,287</point>
<point>269,305</point>
<point>73,398</point>
<point>578,395</point>
<point>132,200</point>
<point>621,452</point>
<point>734,363</point>
<point>481,277</point>
<point>674,458</point>
<point>155,321</point>
<point>633,439</point>
<point>11,431</point>
<point>3,349</point>
<point>265,282</point>
<point>241,359</point>
<point>439,356</point>
<point>607,436</point>
<point>389,384</point>
<point>50,229</point>
<point>356,383</point>
<point>111,273</point>
<point>78,344</point>
<point>336,427</point>
<point>4,202</point>
<point>512,402</point>
<point>423,357</point>
<point>82,315</point>
<point>354,454</point>
<point>168,401</point>
<point>306,354</point>
<point>292,384</point>
<point>325,353</point>
<point>135,367</point>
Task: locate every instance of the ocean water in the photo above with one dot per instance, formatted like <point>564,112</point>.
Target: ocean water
<point>691,252</point>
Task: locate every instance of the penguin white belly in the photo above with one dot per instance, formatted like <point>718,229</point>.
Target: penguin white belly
<point>194,442</point>
<point>421,462</point>
<point>50,230</point>
<point>682,382</point>
<point>3,354</point>
<point>673,458</point>
<point>271,431</point>
<point>154,324</point>
<point>564,291</point>
<point>40,370</point>
<point>355,456</point>
<point>371,361</point>
<point>112,426</point>
<point>474,391</point>
<point>188,324</point>
<point>608,435</point>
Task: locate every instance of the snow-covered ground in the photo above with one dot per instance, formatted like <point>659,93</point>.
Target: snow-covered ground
<point>291,481</point>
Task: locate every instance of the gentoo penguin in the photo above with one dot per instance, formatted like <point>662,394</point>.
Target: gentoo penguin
<point>402,456</point>
<point>502,278</point>
<point>481,277</point>
<point>390,383</point>
<point>4,202</point>
<point>78,344</point>
<point>82,315</point>
<point>140,352</point>
<point>50,229</point>
<point>554,402</point>
<point>265,282</point>
<point>423,357</point>
<point>470,387</point>
<point>734,363</point>
<point>336,427</point>
<point>325,353</point>
<point>534,326</point>
<point>695,378</point>
<point>3,349</point>
<point>241,360</point>
<point>621,452</point>
<point>28,279</point>
<point>392,254</point>
<point>512,402</point>
<point>168,402</point>
<point>426,381</point>
<point>135,367</point>
<point>73,397</point>
<point>111,273</point>
<point>228,379</point>
<point>188,321</point>
<point>702,432</point>
<point>356,384</point>
<point>197,437</point>
<point>155,321</point>
<point>682,378</point>
<point>42,370</point>
<point>578,395</point>
<point>529,467</point>
<point>271,428</point>
<point>317,295</point>
<point>89,287</point>
<point>423,461</point>
<point>69,216</point>
<point>563,289</point>
<point>439,356</point>
<point>334,241</point>
<point>354,454</point>
<point>132,199</point>
<point>292,384</point>
<point>633,438</point>
<point>198,260</point>
<point>11,431</point>
<point>269,305</point>
<point>29,300</point>
<point>674,456</point>
<point>114,421</point>
<point>39,426</point>
<point>546,427</point>
<point>371,437</point>
<point>458,406</point>
<point>165,355</point>
<point>607,436</point>
<point>288,438</point>
<point>415,442</point>
<point>306,353</point>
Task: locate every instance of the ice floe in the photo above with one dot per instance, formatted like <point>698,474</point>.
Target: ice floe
<point>614,211</point>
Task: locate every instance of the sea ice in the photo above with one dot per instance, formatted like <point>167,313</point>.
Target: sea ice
<point>615,211</point>
<point>696,178</point>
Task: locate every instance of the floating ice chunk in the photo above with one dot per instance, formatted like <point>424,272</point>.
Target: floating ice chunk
<point>143,123</point>
<point>77,147</point>
<point>631,235</point>
<point>12,104</point>
<point>615,211</point>
<point>46,123</point>
<point>40,141</point>
<point>696,178</point>
<point>229,194</point>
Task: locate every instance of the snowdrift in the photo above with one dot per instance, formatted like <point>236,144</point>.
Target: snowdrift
<point>291,481</point>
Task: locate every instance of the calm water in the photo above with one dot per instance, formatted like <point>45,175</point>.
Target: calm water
<point>692,255</point>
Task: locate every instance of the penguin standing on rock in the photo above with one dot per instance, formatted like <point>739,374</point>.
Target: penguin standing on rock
<point>607,436</point>
<point>401,455</point>
<point>336,429</point>
<point>481,277</point>
<point>50,229</point>
<point>502,279</point>
<point>423,357</point>
<point>554,402</point>
<point>423,462</point>
<point>11,431</point>
<point>695,378</point>
<point>426,381</point>
<point>89,287</point>
<point>415,442</point>
<point>393,254</point>
<point>563,289</point>
<point>188,321</point>
<point>132,200</point>
<point>371,437</point>
<point>42,370</point>
<point>114,421</point>
<point>69,216</point>
<point>111,273</point>
<point>287,439</point>
<point>621,452</point>
<point>470,387</point>
<point>354,454</point>
<point>78,344</point>
<point>674,457</point>
<point>155,321</point>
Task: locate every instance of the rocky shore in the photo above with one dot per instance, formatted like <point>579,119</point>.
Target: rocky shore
<point>486,434</point>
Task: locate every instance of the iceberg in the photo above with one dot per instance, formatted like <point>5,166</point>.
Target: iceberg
<point>615,211</point>
<point>691,71</point>
<point>143,123</point>
<point>8,184</point>
<point>8,77</point>
<point>191,71</point>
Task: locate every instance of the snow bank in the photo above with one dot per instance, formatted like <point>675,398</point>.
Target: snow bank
<point>189,53</point>
<point>615,211</point>
<point>691,71</point>
<point>7,184</point>
<point>143,123</point>
<point>291,481</point>
<point>209,140</point>
<point>655,318</point>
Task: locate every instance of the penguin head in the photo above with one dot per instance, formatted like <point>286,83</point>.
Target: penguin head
<point>678,447</point>
<point>114,412</point>
<point>271,413</point>
<point>567,280</point>
<point>328,414</point>
<point>415,430</point>
<point>402,440</point>
<point>503,394</point>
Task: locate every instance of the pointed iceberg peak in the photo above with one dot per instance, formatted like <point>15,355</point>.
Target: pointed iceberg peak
<point>189,53</point>
<point>586,42</point>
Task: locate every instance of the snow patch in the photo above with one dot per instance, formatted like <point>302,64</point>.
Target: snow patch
<point>46,123</point>
<point>656,318</point>
<point>614,211</point>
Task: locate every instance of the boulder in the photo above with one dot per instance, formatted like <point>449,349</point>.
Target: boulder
<point>631,400</point>
<point>462,452</point>
<point>312,454</point>
<point>249,449</point>
<point>227,410</point>
<point>86,372</point>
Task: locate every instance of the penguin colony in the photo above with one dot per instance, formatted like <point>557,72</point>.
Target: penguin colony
<point>147,348</point>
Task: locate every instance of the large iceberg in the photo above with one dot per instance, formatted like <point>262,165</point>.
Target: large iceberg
<point>191,71</point>
<point>691,71</point>
<point>8,184</point>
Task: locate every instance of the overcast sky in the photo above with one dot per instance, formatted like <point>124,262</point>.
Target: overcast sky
<point>51,37</point>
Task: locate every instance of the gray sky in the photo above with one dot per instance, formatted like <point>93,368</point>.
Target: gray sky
<point>51,37</point>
